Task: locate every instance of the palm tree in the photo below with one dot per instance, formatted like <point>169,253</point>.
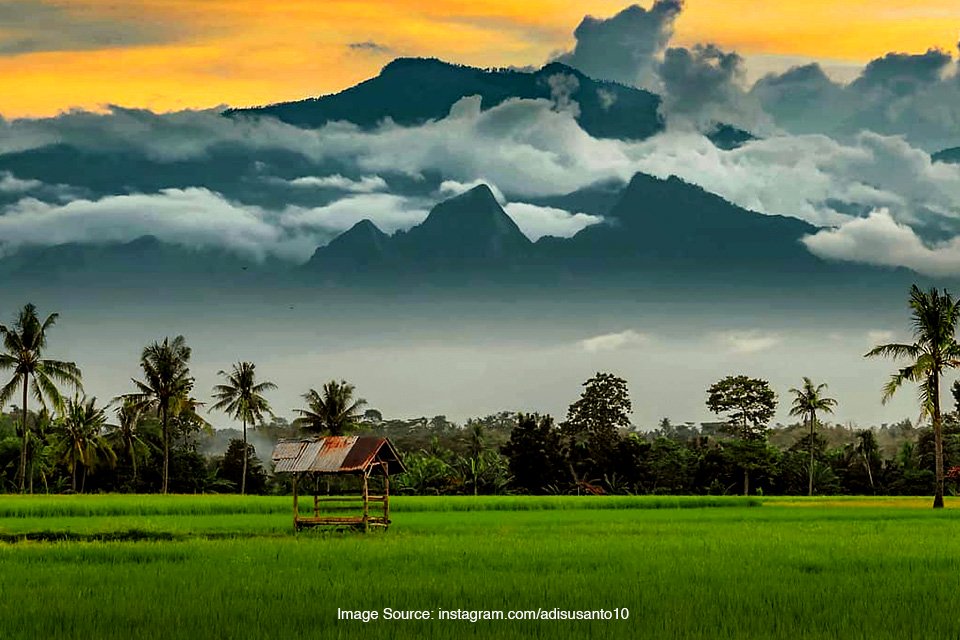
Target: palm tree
<point>934,349</point>
<point>242,399</point>
<point>334,412</point>
<point>125,435</point>
<point>23,345</point>
<point>81,441</point>
<point>807,401</point>
<point>167,380</point>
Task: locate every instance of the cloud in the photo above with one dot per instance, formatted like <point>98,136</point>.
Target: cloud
<point>31,26</point>
<point>613,341</point>
<point>563,86</point>
<point>389,212</point>
<point>747,342</point>
<point>195,218</point>
<point>451,188</point>
<point>703,85</point>
<point>880,336</point>
<point>626,47</point>
<point>524,149</point>
<point>198,218</point>
<point>916,96</point>
<point>9,183</point>
<point>366,184</point>
<point>536,221</point>
<point>370,47</point>
<point>880,240</point>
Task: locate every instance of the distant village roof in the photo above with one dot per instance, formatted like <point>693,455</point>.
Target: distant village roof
<point>336,454</point>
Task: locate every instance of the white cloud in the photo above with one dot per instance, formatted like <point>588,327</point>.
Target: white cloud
<point>387,211</point>
<point>192,217</point>
<point>199,218</point>
<point>613,341</point>
<point>536,221</point>
<point>747,342</point>
<point>366,184</point>
<point>880,240</point>
<point>452,188</point>
<point>9,183</point>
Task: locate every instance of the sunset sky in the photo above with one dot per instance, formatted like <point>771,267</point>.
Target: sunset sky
<point>175,54</point>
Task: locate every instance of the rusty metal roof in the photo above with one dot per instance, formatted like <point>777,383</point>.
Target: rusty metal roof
<point>335,454</point>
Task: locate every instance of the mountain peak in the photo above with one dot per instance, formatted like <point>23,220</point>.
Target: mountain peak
<point>470,227</point>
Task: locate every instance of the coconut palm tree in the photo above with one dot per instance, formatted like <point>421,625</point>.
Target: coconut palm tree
<point>241,397</point>
<point>81,442</point>
<point>807,401</point>
<point>334,412</point>
<point>24,344</point>
<point>934,349</point>
<point>167,380</point>
<point>124,436</point>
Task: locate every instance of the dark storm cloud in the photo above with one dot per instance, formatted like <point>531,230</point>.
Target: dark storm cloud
<point>626,47</point>
<point>31,26</point>
<point>917,96</point>
<point>704,83</point>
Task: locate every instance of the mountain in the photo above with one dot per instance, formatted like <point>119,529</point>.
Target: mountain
<point>470,232</point>
<point>728,137</point>
<point>411,91</point>
<point>363,247</point>
<point>663,227</point>
<point>947,155</point>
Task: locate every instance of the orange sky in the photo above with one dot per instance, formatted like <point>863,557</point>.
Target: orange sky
<point>173,54</point>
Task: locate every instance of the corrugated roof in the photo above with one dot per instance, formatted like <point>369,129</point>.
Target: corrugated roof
<point>335,454</point>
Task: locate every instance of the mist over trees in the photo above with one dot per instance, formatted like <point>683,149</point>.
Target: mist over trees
<point>154,438</point>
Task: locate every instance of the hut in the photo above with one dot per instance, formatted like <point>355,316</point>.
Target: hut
<point>364,457</point>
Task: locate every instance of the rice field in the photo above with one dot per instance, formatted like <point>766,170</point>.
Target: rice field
<point>230,567</point>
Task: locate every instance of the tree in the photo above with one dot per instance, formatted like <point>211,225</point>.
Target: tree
<point>334,412</point>
<point>166,371</point>
<point>807,401</point>
<point>749,404</point>
<point>534,453</point>
<point>243,470</point>
<point>81,441</point>
<point>124,436</point>
<point>24,344</point>
<point>934,349</point>
<point>592,427</point>
<point>241,397</point>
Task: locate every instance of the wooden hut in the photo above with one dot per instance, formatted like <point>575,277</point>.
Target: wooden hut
<point>364,457</point>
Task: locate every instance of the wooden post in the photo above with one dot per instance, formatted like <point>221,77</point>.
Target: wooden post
<point>296,512</point>
<point>386,495</point>
<point>366,503</point>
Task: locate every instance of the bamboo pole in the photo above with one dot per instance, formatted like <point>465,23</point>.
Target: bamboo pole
<point>296,512</point>
<point>366,503</point>
<point>386,495</point>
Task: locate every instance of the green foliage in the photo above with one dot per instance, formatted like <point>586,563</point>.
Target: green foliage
<point>748,403</point>
<point>23,347</point>
<point>333,412</point>
<point>934,318</point>
<point>233,468</point>
<point>592,428</point>
<point>165,389</point>
<point>534,454</point>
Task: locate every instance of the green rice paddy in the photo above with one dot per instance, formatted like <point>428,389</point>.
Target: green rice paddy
<point>231,567</point>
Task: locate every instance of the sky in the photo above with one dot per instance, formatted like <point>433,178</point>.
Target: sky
<point>175,54</point>
<point>845,144</point>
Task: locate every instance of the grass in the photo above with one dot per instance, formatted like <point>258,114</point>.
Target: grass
<point>227,567</point>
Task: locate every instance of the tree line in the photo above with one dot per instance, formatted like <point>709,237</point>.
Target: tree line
<point>154,439</point>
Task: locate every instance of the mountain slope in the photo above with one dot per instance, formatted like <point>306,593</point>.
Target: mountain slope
<point>411,91</point>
